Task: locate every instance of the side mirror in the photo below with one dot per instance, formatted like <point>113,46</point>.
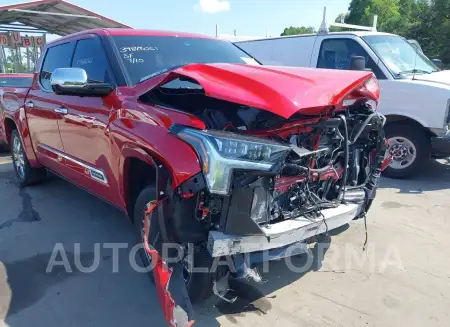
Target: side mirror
<point>357,63</point>
<point>74,81</point>
<point>437,62</point>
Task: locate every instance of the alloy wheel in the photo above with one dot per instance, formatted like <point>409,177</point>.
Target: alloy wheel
<point>18,156</point>
<point>403,152</point>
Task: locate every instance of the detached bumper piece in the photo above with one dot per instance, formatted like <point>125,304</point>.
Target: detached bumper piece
<point>170,284</point>
<point>283,233</point>
<point>172,294</point>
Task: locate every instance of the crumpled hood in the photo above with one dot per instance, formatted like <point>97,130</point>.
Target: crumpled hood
<point>441,77</point>
<point>280,90</point>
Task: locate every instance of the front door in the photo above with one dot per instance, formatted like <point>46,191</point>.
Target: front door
<point>336,51</point>
<point>42,108</point>
<point>84,128</point>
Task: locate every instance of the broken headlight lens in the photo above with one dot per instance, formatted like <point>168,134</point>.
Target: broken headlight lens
<point>221,152</point>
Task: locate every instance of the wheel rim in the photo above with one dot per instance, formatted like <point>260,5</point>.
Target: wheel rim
<point>403,152</point>
<point>187,276</point>
<point>18,158</point>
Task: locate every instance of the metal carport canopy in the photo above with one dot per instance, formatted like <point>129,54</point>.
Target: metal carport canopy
<point>55,16</point>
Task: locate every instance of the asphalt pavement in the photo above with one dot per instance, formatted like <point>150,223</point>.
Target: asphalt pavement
<point>401,279</point>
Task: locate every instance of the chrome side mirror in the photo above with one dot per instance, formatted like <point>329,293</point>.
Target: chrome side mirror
<point>68,78</point>
<point>74,81</point>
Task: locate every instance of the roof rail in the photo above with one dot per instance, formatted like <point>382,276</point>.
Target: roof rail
<point>324,27</point>
<point>234,37</point>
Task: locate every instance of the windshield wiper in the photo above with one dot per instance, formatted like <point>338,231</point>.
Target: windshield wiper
<point>162,71</point>
<point>143,79</point>
<point>415,71</point>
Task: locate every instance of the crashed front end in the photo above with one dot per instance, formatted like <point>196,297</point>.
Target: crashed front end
<point>269,183</point>
<point>259,194</point>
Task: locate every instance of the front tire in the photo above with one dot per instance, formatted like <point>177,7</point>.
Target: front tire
<point>26,175</point>
<point>198,285</point>
<point>410,148</point>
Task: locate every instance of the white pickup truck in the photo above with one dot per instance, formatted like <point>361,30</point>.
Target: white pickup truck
<point>415,93</point>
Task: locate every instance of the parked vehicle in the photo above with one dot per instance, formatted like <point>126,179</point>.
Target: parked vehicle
<point>415,94</point>
<point>16,86</point>
<point>237,158</point>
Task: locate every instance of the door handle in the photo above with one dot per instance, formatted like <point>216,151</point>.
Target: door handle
<point>29,104</point>
<point>62,111</point>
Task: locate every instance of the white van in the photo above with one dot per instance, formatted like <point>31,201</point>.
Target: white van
<point>415,93</point>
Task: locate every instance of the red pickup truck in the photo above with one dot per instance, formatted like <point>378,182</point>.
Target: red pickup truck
<point>16,87</point>
<point>203,148</point>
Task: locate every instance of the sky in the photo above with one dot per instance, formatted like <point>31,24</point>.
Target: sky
<point>247,17</point>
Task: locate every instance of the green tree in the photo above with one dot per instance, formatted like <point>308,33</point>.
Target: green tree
<point>298,30</point>
<point>356,11</point>
<point>385,9</point>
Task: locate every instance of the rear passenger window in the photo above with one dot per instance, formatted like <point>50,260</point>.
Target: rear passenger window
<point>57,57</point>
<point>336,54</point>
<point>90,55</point>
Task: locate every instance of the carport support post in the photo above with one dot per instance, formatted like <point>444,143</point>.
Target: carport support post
<point>17,59</point>
<point>28,60</point>
<point>2,60</point>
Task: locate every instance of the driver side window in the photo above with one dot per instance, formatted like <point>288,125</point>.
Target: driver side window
<point>336,54</point>
<point>90,55</point>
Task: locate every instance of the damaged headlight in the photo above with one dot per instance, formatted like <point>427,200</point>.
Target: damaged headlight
<point>221,152</point>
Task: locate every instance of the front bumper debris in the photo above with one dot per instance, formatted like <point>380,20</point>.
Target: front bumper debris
<point>283,233</point>
<point>169,282</point>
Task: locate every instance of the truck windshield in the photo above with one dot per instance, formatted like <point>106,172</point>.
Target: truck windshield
<point>147,56</point>
<point>400,57</point>
<point>16,81</point>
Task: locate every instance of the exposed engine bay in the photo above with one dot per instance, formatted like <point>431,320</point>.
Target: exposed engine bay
<point>306,179</point>
<point>312,176</point>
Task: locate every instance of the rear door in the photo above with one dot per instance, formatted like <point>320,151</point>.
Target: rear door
<point>84,126</point>
<point>42,108</point>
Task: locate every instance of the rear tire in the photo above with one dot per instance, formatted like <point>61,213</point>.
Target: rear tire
<point>4,148</point>
<point>198,285</point>
<point>26,175</point>
<point>410,147</point>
